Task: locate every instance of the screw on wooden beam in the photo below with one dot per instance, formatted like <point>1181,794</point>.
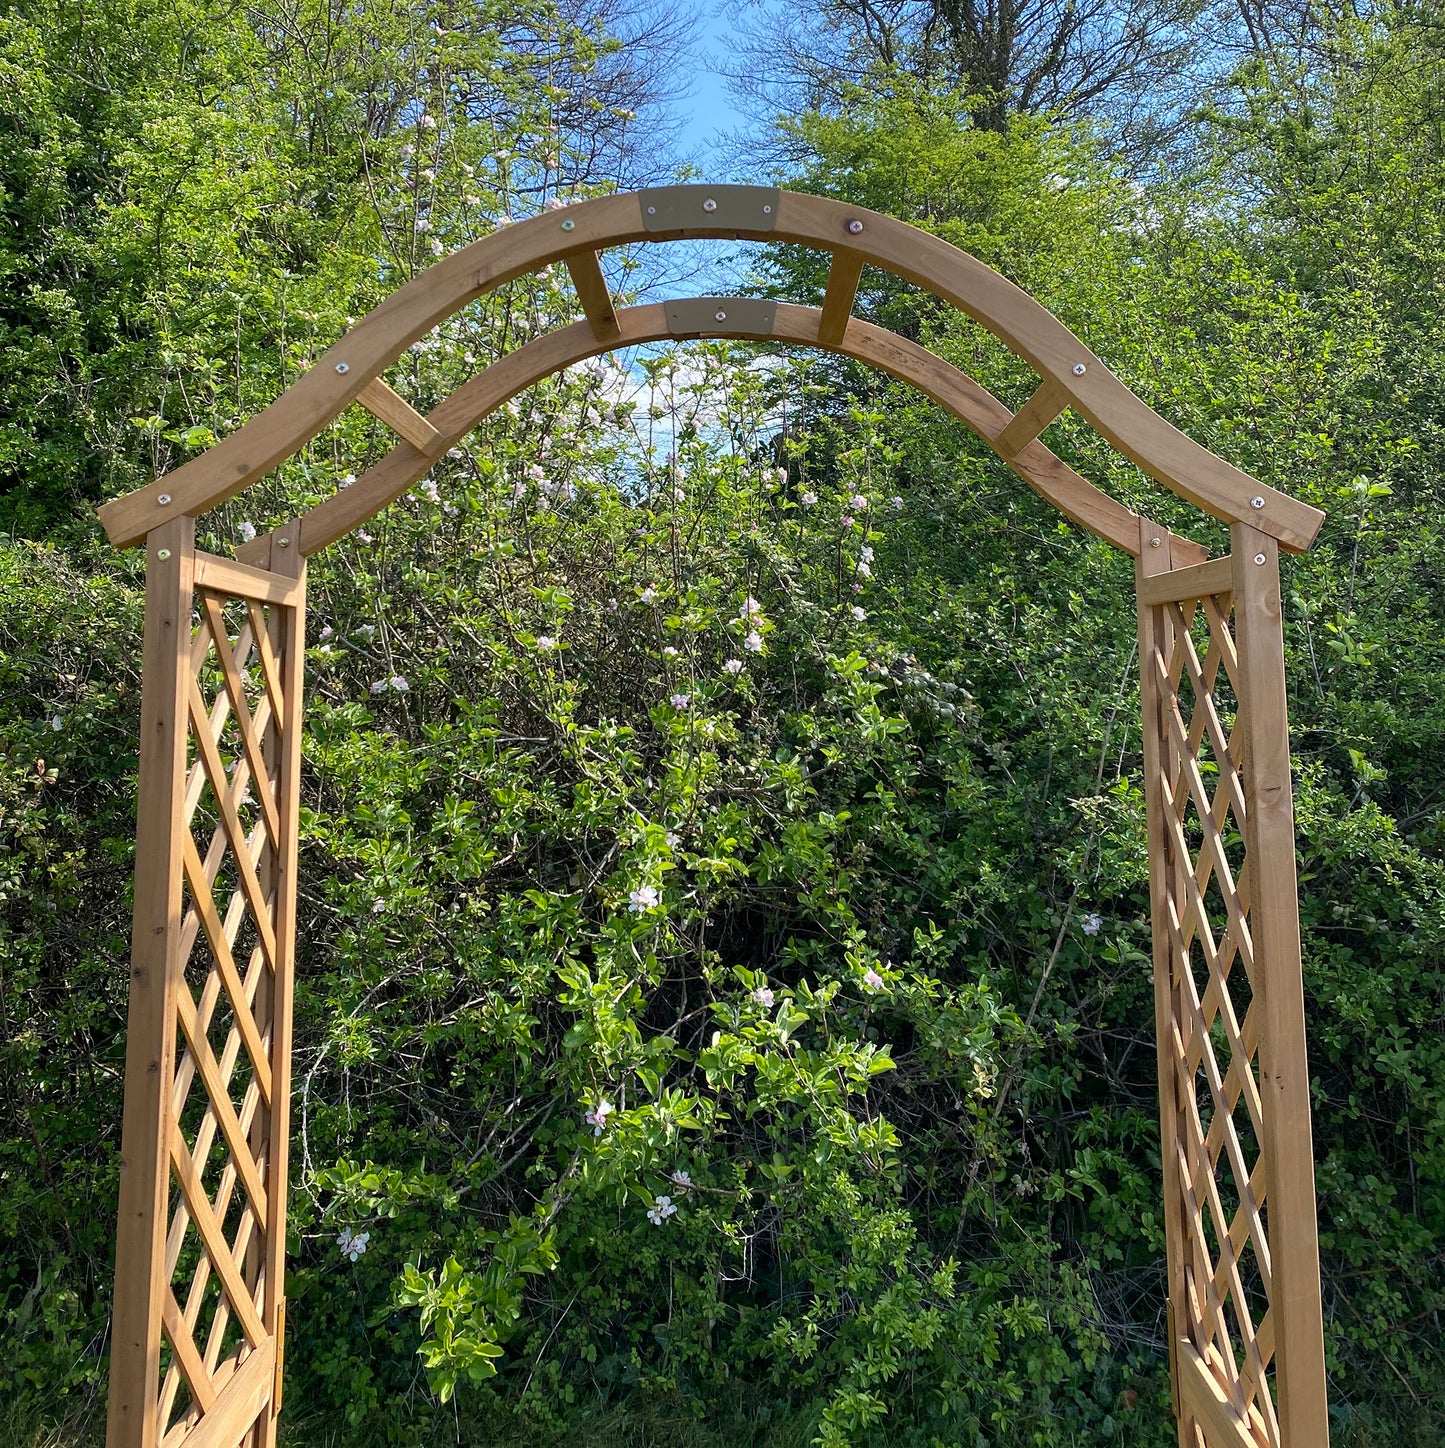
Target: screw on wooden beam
<point>592,292</point>
<point>1031,419</point>
<point>838,300</point>
<point>400,416</point>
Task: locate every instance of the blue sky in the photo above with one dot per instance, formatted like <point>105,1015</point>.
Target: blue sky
<point>709,109</point>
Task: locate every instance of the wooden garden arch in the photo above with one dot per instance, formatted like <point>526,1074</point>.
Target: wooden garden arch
<point>199,1318</point>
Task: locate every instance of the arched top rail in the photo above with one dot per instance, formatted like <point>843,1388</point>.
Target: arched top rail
<point>732,317</point>
<point>1070,375</point>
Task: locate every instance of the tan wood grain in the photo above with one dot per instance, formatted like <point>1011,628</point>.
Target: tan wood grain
<point>1031,331</point>
<point>213,1238</point>
<point>1295,1301</point>
<point>244,1397</point>
<point>1198,580</point>
<point>1223,1425</point>
<point>154,972</point>
<point>585,268</point>
<point>838,299</point>
<point>400,416</point>
<point>1045,406</point>
<point>954,390</point>
<point>236,689</point>
<point>235,833</point>
<point>238,580</point>
<point>198,1380</point>
<point>225,966</point>
<point>292,659</point>
<point>1153,560</point>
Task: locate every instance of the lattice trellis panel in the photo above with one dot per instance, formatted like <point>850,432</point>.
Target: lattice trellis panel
<point>1226,1101</point>
<point>215,910</point>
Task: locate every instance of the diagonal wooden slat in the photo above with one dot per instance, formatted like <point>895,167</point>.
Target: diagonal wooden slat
<point>219,1104</point>
<point>242,713</point>
<point>196,1295</point>
<point>235,832</point>
<point>226,965</point>
<point>214,1240</point>
<point>240,1403</point>
<point>270,665</point>
<point>183,1349</point>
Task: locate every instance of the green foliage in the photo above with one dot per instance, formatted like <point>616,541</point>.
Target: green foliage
<point>725,1010</point>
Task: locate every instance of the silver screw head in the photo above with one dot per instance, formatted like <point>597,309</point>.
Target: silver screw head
<point>767,211</point>
<point>1154,542</point>
<point>652,211</point>
<point>163,554</point>
<point>709,206</point>
<point>163,499</point>
<point>1259,557</point>
<point>568,225</point>
<point>1256,502</point>
<point>721,315</point>
<point>343,368</point>
<point>283,542</point>
<point>855,227</point>
<point>1079,369</point>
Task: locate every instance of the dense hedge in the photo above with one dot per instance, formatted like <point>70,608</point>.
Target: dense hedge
<point>725,997</point>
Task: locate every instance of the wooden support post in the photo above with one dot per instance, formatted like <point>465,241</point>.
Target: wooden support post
<point>1274,927</point>
<point>1156,641</point>
<point>592,291</point>
<point>843,278</point>
<point>286,560</point>
<point>400,416</point>
<point>140,1285</point>
<point>1047,403</point>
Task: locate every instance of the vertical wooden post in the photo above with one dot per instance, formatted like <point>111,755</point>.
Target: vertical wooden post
<point>1155,638</point>
<point>1274,929</point>
<point>287,561</point>
<point>155,963</point>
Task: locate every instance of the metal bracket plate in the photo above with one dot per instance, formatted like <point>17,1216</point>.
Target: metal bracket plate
<point>721,317</point>
<point>675,209</point>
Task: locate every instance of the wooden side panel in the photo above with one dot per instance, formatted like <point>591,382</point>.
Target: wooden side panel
<point>1244,1291</point>
<point>201,1255</point>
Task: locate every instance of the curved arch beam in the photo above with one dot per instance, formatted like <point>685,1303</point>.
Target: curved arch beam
<point>1048,475</point>
<point>1075,377</point>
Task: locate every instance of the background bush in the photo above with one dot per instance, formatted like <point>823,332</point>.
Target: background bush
<point>842,953</point>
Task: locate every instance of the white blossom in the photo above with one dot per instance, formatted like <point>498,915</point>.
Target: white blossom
<point>597,1117</point>
<point>680,701</point>
<point>872,981</point>
<point>858,613</point>
<point>762,995</point>
<point>645,897</point>
<point>352,1244</point>
<point>398,683</point>
<point>858,502</point>
<point>660,1210</point>
<point>733,666</point>
<point>1091,924</point>
<point>754,642</point>
<point>546,642</point>
<point>247,531</point>
<point>896,503</point>
<point>808,499</point>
